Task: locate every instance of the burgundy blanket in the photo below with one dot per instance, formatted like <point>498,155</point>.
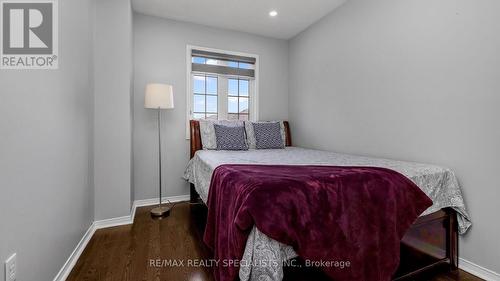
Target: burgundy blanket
<point>327,213</point>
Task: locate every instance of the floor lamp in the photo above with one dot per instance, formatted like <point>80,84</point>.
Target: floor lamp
<point>158,97</point>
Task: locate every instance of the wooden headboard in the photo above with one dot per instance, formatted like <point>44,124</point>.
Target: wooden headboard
<point>195,136</point>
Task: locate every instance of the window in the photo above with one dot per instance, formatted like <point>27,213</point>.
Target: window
<point>221,85</point>
<point>205,98</point>
<point>238,99</point>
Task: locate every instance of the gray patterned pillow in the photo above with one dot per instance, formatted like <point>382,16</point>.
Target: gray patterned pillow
<point>251,135</point>
<point>230,138</point>
<point>207,131</point>
<point>268,135</point>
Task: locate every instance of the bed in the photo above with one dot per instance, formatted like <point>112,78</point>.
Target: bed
<point>431,241</point>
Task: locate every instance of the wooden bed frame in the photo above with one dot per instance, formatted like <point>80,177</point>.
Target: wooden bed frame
<point>431,243</point>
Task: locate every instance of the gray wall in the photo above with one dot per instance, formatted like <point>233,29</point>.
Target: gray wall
<point>414,80</point>
<point>45,152</point>
<point>160,56</point>
<point>112,109</point>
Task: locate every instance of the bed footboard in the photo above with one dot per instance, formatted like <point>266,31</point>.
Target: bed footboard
<point>430,243</point>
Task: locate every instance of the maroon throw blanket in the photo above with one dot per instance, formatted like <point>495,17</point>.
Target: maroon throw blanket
<point>327,213</point>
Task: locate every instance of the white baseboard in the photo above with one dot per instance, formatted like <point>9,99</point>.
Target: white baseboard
<point>478,270</point>
<point>114,222</point>
<point>73,258</point>
<point>153,201</point>
<point>137,203</point>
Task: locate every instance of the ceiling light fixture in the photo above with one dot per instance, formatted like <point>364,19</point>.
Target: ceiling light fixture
<point>273,13</point>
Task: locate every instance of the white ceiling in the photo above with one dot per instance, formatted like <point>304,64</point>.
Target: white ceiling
<point>243,15</point>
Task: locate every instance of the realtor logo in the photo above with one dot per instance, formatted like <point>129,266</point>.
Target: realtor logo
<point>29,34</point>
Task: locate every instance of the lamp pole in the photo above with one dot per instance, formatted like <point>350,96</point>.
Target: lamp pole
<point>159,153</point>
<point>159,211</point>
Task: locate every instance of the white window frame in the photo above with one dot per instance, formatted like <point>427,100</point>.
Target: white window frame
<point>222,103</point>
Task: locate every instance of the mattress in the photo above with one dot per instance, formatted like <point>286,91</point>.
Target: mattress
<point>263,255</point>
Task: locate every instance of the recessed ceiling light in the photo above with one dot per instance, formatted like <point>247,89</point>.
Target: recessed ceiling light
<point>273,13</point>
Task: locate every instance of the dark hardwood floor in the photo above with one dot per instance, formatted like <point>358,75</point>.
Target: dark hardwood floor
<point>126,253</point>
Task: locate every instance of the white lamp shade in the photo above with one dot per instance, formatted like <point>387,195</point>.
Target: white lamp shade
<point>159,96</point>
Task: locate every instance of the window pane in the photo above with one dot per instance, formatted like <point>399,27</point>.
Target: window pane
<point>198,60</point>
<point>232,87</point>
<point>211,85</point>
<point>232,64</point>
<point>246,65</point>
<point>232,116</point>
<point>199,103</point>
<point>243,105</point>
<point>232,105</point>
<point>199,115</point>
<point>212,61</point>
<point>244,88</point>
<point>212,104</point>
<point>244,117</point>
<point>199,85</point>
<point>211,116</point>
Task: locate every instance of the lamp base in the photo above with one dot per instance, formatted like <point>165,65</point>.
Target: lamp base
<point>160,211</point>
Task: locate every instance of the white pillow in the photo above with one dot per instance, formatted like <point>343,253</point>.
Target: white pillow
<point>251,134</point>
<point>207,131</point>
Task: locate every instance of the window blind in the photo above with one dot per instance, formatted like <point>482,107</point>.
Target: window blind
<point>225,64</point>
